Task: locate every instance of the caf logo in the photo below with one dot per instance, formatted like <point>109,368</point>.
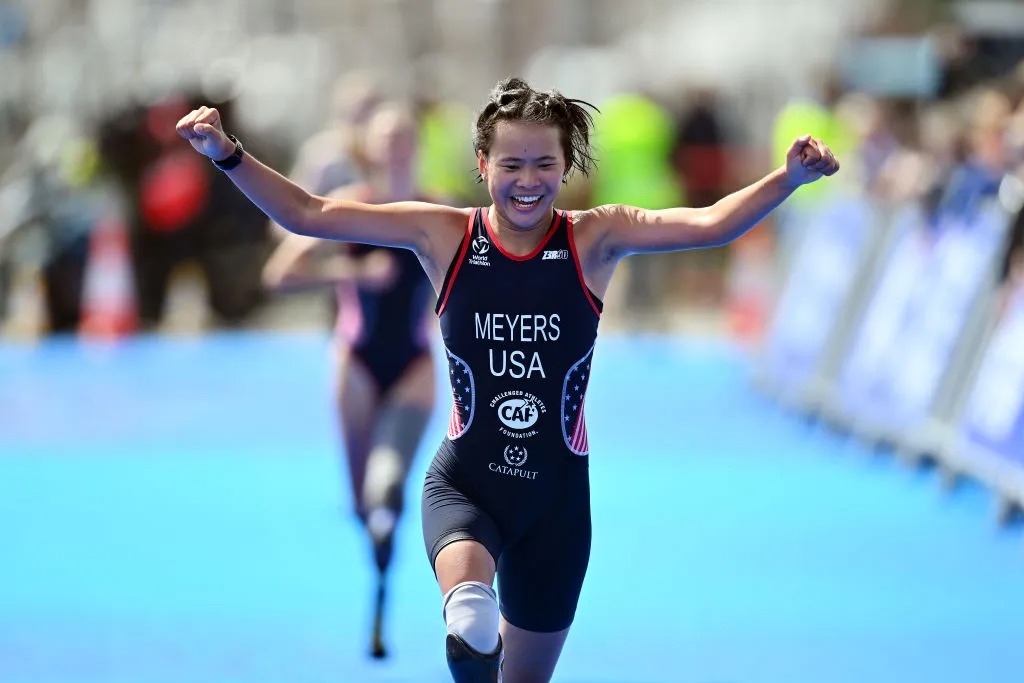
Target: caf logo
<point>481,245</point>
<point>515,455</point>
<point>520,412</point>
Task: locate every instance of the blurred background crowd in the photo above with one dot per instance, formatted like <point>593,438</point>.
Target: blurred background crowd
<point>111,224</point>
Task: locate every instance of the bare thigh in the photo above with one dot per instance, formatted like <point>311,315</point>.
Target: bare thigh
<point>357,399</point>
<point>530,657</point>
<point>463,560</point>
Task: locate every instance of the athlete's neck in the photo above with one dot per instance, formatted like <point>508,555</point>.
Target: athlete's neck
<point>516,240</point>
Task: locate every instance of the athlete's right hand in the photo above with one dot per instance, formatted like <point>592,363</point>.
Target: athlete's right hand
<point>202,128</point>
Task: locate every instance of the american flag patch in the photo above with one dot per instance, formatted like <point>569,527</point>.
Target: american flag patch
<point>574,391</point>
<point>463,395</point>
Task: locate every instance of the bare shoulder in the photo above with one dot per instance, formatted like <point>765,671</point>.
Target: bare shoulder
<point>446,220</point>
<point>593,228</point>
<point>443,230</point>
<point>609,217</point>
<point>594,236</point>
<point>590,219</point>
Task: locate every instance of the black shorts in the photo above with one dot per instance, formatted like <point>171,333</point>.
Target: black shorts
<point>541,547</point>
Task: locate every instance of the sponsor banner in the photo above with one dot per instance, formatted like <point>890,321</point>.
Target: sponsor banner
<point>994,419</point>
<point>962,264</point>
<point>869,354</point>
<point>817,290</point>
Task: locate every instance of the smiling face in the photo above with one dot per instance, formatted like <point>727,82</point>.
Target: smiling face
<point>523,170</point>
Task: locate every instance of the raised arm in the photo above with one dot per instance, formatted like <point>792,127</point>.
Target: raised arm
<point>605,234</point>
<point>300,263</point>
<point>413,225</point>
<point>630,230</point>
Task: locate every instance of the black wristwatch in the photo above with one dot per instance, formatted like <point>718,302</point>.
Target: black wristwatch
<point>235,158</point>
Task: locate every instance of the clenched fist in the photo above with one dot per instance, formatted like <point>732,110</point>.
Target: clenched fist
<point>202,128</point>
<point>809,159</point>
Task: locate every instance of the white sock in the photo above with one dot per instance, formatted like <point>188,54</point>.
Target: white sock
<point>471,612</point>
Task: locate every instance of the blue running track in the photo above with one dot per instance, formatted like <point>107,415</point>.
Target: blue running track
<point>172,511</point>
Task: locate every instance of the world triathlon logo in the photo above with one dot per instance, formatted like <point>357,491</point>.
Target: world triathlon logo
<point>515,455</point>
<point>480,248</point>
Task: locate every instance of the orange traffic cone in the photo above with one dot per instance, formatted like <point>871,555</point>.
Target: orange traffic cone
<point>108,296</point>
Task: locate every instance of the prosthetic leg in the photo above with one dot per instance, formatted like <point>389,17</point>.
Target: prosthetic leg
<point>469,666</point>
<point>396,440</point>
<point>471,615</point>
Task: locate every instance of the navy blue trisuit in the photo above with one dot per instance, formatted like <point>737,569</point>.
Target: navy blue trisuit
<point>513,470</point>
<point>386,330</point>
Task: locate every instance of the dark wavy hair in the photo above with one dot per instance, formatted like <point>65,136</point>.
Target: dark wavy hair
<point>514,100</point>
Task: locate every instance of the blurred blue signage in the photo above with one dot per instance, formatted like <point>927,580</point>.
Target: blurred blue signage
<point>872,353</point>
<point>817,291</point>
<point>995,410</point>
<point>918,315</point>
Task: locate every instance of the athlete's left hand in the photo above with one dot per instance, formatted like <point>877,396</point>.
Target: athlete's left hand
<point>809,159</point>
